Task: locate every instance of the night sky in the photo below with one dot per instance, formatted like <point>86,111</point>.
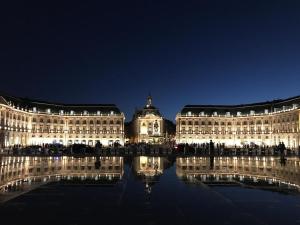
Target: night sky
<point>183,52</point>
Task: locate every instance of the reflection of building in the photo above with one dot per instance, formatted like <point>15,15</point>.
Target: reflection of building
<point>149,169</point>
<point>218,168</point>
<point>265,123</point>
<point>28,122</point>
<point>19,168</point>
<point>148,124</point>
<point>149,166</point>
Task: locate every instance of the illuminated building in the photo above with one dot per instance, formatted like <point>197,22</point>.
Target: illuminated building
<point>264,124</point>
<point>148,124</point>
<point>28,122</point>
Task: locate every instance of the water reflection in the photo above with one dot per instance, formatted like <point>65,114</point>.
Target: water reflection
<point>16,171</point>
<point>263,172</point>
<point>149,169</point>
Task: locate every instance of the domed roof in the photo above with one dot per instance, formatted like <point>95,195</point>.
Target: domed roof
<point>148,109</point>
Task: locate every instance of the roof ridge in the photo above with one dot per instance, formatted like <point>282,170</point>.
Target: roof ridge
<point>42,102</point>
<point>246,104</point>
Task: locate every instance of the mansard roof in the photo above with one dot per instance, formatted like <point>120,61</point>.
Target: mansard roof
<point>260,107</point>
<point>146,111</point>
<point>43,106</point>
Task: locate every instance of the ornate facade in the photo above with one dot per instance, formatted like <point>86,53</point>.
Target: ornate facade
<point>27,122</point>
<point>266,123</point>
<point>148,124</point>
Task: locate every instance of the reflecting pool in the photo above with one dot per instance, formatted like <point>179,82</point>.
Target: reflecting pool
<point>149,190</point>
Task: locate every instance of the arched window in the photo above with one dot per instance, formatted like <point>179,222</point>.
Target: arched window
<point>91,122</point>
<point>182,122</point>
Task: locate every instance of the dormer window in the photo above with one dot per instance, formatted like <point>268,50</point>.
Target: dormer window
<point>98,112</point>
<point>49,111</point>
<point>34,109</point>
<point>277,109</point>
<point>215,113</point>
<point>72,112</point>
<point>189,113</point>
<point>266,111</point>
<point>61,112</point>
<point>252,112</point>
<point>238,113</point>
<point>111,112</point>
<point>85,112</point>
<point>227,113</point>
<point>202,113</point>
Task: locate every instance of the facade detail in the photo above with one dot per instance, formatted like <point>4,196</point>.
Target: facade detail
<point>27,122</point>
<point>263,124</point>
<point>148,124</point>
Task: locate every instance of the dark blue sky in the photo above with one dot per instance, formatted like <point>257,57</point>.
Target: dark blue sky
<point>183,52</point>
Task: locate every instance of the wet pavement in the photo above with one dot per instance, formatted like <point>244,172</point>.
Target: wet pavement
<point>172,193</point>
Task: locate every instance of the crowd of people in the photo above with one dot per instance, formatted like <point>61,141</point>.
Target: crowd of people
<point>209,148</point>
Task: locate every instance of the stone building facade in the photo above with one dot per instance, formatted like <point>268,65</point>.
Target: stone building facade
<point>28,122</point>
<point>264,124</point>
<point>148,124</point>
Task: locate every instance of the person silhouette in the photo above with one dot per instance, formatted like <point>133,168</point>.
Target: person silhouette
<point>211,148</point>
